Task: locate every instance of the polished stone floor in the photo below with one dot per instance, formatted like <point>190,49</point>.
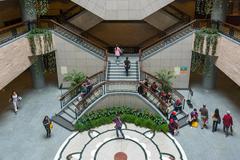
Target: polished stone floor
<point>22,136</point>
<point>102,144</point>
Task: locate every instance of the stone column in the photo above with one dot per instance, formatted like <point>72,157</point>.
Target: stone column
<point>26,16</point>
<point>37,66</point>
<point>37,72</point>
<point>219,10</point>
<point>218,14</point>
<point>210,76</point>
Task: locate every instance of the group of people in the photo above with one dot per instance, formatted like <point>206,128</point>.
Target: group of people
<point>126,63</point>
<point>216,120</point>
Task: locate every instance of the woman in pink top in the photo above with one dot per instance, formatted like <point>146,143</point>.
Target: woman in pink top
<point>118,52</point>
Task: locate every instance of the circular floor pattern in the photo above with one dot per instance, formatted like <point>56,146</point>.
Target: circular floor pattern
<point>128,146</point>
<point>120,156</point>
<point>102,144</point>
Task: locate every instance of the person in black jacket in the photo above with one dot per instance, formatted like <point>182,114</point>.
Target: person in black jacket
<point>127,65</point>
<point>47,124</point>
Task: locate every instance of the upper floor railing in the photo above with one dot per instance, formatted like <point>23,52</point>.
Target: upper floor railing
<point>224,28</point>
<point>76,37</point>
<point>165,40</point>
<point>229,30</point>
<point>13,31</point>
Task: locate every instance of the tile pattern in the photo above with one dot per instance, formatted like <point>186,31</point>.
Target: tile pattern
<point>136,145</point>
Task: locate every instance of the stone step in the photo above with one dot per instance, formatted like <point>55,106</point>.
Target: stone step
<point>122,70</point>
<point>122,74</point>
<point>67,117</point>
<point>121,65</point>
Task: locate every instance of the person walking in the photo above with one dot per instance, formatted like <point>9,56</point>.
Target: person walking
<point>118,52</point>
<point>118,126</point>
<point>216,120</point>
<point>15,99</point>
<point>204,116</point>
<point>47,123</point>
<point>227,123</point>
<point>127,65</point>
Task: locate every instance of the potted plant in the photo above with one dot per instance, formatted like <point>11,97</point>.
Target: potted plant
<point>165,78</point>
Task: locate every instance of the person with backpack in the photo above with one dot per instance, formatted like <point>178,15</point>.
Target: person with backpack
<point>118,126</point>
<point>216,120</point>
<point>127,65</point>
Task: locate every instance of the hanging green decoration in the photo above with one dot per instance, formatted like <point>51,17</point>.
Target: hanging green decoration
<point>201,58</point>
<point>36,7</point>
<point>38,36</point>
<point>210,36</point>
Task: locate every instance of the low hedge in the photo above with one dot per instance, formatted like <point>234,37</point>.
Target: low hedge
<point>105,116</point>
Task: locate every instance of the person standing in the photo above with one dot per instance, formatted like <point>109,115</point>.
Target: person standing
<point>127,65</point>
<point>118,126</point>
<point>227,123</point>
<point>15,99</point>
<point>216,120</point>
<point>118,52</point>
<point>204,116</point>
<point>173,127</point>
<point>47,123</point>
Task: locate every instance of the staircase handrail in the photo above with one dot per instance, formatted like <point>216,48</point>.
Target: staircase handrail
<point>65,14</point>
<point>174,91</point>
<point>231,32</point>
<point>83,100</point>
<point>192,23</point>
<point>73,92</point>
<point>76,34</point>
<point>163,107</point>
<point>14,32</point>
<point>188,17</point>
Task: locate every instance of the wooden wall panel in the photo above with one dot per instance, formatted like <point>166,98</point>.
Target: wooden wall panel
<point>228,60</point>
<point>14,59</point>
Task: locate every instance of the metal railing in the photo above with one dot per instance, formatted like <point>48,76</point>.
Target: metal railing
<point>224,28</point>
<point>229,30</point>
<point>151,78</point>
<point>155,99</point>
<point>94,94</point>
<point>11,32</point>
<point>76,37</point>
<point>73,92</point>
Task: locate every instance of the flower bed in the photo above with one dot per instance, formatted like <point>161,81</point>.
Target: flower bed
<point>105,116</point>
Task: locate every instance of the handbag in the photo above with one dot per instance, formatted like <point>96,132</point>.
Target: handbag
<point>51,125</point>
<point>19,98</point>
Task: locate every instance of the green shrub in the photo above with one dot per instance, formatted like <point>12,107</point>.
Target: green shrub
<point>128,118</point>
<point>140,118</point>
